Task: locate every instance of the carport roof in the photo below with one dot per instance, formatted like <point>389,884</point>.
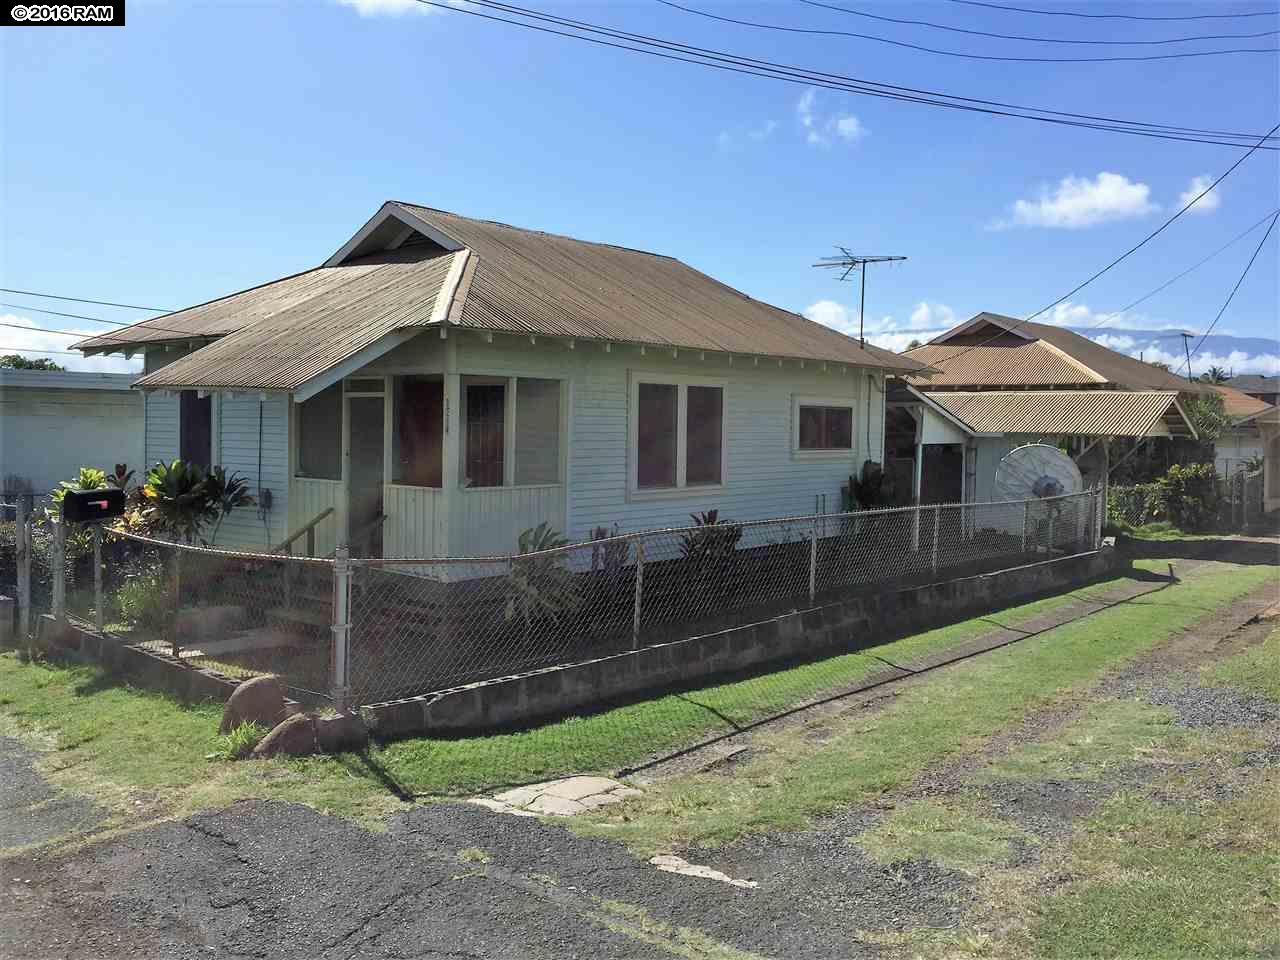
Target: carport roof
<point>1090,413</point>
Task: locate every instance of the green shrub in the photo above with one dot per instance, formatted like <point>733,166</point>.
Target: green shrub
<point>540,586</point>
<point>144,601</point>
<point>1186,497</point>
<point>239,743</point>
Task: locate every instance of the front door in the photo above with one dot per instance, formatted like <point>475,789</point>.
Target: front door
<point>365,475</point>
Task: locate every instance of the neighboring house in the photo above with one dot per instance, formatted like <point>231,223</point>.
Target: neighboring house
<point>442,384</point>
<point>1001,382</point>
<point>54,422</point>
<point>1242,442</point>
<point>1266,389</point>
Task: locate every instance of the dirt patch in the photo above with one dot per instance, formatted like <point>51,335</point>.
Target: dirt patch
<point>31,810</point>
<point>1047,808</point>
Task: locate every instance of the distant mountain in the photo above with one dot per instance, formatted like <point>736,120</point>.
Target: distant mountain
<point>1238,354</point>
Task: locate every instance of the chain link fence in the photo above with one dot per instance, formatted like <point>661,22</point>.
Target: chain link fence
<point>1234,503</point>
<point>362,631</point>
<point>422,625</point>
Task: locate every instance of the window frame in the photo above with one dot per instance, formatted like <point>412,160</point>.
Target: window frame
<point>510,425</point>
<point>682,383</point>
<point>823,453</point>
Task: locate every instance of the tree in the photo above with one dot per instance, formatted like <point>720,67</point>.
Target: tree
<point>1214,375</point>
<point>1160,365</point>
<point>913,344</point>
<point>14,361</point>
<point>1207,414</point>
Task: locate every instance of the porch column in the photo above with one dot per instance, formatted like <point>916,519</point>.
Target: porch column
<point>450,461</point>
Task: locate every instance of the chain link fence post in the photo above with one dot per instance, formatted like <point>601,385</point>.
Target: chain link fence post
<point>813,559</point>
<point>635,613</point>
<point>99,619</point>
<point>23,550</point>
<point>60,571</point>
<point>937,517</point>
<point>175,582</point>
<point>341,680</point>
<point>1026,521</point>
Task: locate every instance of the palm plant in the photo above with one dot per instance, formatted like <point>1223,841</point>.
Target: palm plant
<point>540,586</point>
<point>182,498</point>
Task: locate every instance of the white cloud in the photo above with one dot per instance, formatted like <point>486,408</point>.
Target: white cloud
<point>1237,361</point>
<point>1115,341</point>
<point>818,129</point>
<point>1080,202</point>
<point>393,8</point>
<point>1068,314</point>
<point>728,139</point>
<point>1210,202</point>
<point>48,344</point>
<point>927,320</point>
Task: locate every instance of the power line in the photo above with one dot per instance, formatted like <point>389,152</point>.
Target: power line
<point>960,54</point>
<point>733,63</point>
<point>72,316</point>
<point>74,353</point>
<point>1114,16</point>
<point>100,303</point>
<point>1147,296</point>
<point>150,325</point>
<point>1231,295</point>
<point>1124,256</point>
<point>1029,39</point>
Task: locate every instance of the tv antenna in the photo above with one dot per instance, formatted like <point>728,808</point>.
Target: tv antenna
<point>847,263</point>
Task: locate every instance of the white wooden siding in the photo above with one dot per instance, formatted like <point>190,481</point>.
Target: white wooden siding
<point>308,497</point>
<point>413,524</point>
<point>238,451</point>
<point>489,521</point>
<point>161,412</point>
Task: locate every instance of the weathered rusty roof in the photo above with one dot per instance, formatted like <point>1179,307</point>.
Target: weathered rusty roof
<point>1031,363</point>
<point>517,281</point>
<point>1240,407</point>
<point>1092,413</point>
<point>973,347</point>
<point>296,343</point>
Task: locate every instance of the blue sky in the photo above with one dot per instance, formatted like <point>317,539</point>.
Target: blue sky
<point>206,147</point>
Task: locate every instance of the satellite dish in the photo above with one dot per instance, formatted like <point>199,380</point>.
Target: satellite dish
<point>1034,471</point>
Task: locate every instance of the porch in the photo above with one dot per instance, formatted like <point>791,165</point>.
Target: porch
<point>394,466</point>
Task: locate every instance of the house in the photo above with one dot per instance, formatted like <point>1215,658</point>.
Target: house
<point>441,384</point>
<point>1266,389</point>
<point>53,422</point>
<point>999,382</point>
<point>1242,443</point>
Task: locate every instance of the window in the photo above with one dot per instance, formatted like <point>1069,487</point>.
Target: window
<point>485,415</point>
<point>195,428</point>
<point>511,431</point>
<point>320,435</point>
<point>417,435</point>
<point>677,434</point>
<point>537,439</point>
<point>823,426</point>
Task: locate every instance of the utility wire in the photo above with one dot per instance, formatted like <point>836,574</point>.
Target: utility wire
<point>1231,295</point>
<point>100,303</point>
<point>960,54</point>
<point>149,324</point>
<point>1114,16</point>
<point>75,353</point>
<point>1124,256</point>
<point>72,316</point>
<point>1147,296</point>
<point>1029,39</point>
<point>700,56</point>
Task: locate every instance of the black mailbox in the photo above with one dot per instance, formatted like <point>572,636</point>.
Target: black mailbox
<point>86,506</point>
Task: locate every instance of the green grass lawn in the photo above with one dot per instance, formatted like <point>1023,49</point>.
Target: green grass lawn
<point>930,721</point>
<point>115,741</point>
<point>1256,670</point>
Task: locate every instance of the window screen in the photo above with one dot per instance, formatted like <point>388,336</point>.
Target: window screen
<point>704,431</point>
<point>195,430</point>
<point>656,435</point>
<point>826,428</point>
<point>537,439</point>
<point>485,416</point>
<point>320,435</point>
<point>417,435</point>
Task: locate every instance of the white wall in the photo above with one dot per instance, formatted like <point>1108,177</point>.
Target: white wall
<point>46,435</point>
<point>1234,448</point>
<point>236,425</point>
<point>763,478</point>
<point>990,451</point>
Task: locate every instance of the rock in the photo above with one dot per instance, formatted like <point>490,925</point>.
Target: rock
<point>346,731</point>
<point>260,700</point>
<point>295,736</point>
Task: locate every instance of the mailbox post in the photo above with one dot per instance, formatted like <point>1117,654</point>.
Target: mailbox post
<point>89,507</point>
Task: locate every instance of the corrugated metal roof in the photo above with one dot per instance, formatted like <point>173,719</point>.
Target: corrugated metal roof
<point>1240,406</point>
<point>298,343</point>
<point>518,281</point>
<point>1255,383</point>
<point>1106,365</point>
<point>1031,364</point>
<point>1091,413</point>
